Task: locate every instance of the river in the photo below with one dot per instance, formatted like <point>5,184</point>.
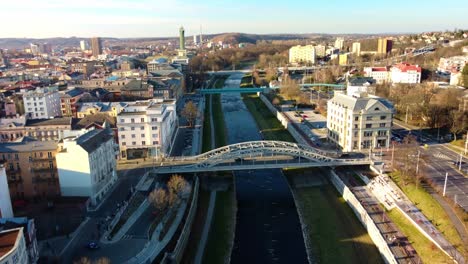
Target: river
<point>267,225</point>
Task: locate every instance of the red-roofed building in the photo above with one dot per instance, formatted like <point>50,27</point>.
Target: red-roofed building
<point>405,73</point>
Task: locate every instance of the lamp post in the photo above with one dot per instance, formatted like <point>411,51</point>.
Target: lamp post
<point>417,163</point>
<point>445,183</point>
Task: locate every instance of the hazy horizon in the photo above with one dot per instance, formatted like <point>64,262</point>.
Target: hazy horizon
<point>161,19</point>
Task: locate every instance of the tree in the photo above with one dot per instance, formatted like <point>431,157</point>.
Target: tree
<point>405,157</point>
<point>290,90</point>
<point>458,122</point>
<point>464,76</point>
<point>275,101</point>
<point>83,260</point>
<point>159,198</point>
<point>178,188</point>
<point>190,112</point>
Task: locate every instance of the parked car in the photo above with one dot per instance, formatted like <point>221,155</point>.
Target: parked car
<point>92,245</point>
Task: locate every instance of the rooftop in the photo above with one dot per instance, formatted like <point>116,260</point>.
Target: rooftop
<point>405,67</point>
<point>98,118</point>
<point>58,121</point>
<point>93,139</point>
<point>360,103</point>
<point>27,144</point>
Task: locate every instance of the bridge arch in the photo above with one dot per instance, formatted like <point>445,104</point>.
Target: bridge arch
<point>252,149</point>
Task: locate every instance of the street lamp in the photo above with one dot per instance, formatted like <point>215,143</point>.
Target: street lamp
<point>417,163</point>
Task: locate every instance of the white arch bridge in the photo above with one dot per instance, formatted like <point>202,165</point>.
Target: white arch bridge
<point>257,155</point>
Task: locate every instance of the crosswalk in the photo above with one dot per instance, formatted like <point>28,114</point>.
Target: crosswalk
<point>129,237</point>
<point>440,155</point>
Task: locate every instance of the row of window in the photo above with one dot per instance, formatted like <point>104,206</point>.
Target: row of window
<point>142,135</point>
<point>143,143</point>
<point>141,128</point>
<point>142,120</point>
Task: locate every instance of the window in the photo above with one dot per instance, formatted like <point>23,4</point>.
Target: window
<point>133,143</point>
<point>382,124</point>
<point>369,118</point>
<point>51,164</point>
<point>355,126</point>
<point>16,156</point>
<point>155,142</point>
<point>132,120</point>
<point>382,133</point>
<point>368,133</point>
<point>133,135</point>
<point>143,143</point>
<point>356,118</point>
<point>142,119</point>
<point>142,128</point>
<point>122,137</point>
<point>133,128</point>
<point>154,120</point>
<point>49,154</point>
<point>154,128</point>
<point>122,120</point>
<point>155,135</point>
<point>383,117</point>
<point>124,143</point>
<point>355,134</point>
<point>122,129</point>
<point>368,125</point>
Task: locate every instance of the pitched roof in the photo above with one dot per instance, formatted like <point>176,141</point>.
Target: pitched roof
<point>58,121</point>
<point>360,103</point>
<point>8,240</point>
<point>94,139</point>
<point>98,118</point>
<point>136,85</point>
<point>27,144</point>
<point>405,67</point>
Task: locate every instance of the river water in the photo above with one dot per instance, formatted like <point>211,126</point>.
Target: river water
<point>267,225</point>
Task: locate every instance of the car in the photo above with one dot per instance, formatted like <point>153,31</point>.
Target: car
<point>457,163</point>
<point>297,115</point>
<point>305,116</point>
<point>316,112</point>
<point>92,245</point>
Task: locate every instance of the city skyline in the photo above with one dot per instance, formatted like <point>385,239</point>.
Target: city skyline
<point>126,19</point>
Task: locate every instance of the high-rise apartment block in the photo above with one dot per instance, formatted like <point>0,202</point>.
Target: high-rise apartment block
<point>384,46</point>
<point>42,103</point>
<point>357,48</point>
<point>96,46</point>
<point>302,54</point>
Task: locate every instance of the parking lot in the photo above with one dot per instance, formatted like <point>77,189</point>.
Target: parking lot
<point>314,125</point>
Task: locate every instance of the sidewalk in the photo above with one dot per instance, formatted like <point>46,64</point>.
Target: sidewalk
<point>383,186</point>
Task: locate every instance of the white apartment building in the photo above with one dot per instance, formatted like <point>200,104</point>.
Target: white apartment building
<point>42,103</point>
<point>379,74</point>
<point>87,165</point>
<point>302,54</point>
<point>358,123</point>
<point>339,43</point>
<point>359,85</point>
<point>6,210</point>
<point>357,48</point>
<point>320,50</point>
<point>405,73</point>
<point>146,126</point>
<point>452,64</point>
<point>13,247</point>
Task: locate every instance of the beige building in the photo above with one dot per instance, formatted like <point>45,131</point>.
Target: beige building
<point>302,54</point>
<point>384,46</point>
<point>357,48</point>
<point>359,123</point>
<point>31,168</point>
<point>96,46</point>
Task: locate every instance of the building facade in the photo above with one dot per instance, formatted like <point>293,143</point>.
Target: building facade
<point>6,210</point>
<point>47,129</point>
<point>87,165</point>
<point>69,102</point>
<point>31,169</point>
<point>452,64</point>
<point>379,74</point>
<point>406,73</point>
<point>96,46</point>
<point>13,247</point>
<point>357,48</point>
<point>28,227</point>
<point>384,46</point>
<point>359,123</point>
<point>339,43</point>
<point>137,89</point>
<point>42,103</point>
<point>302,54</point>
<point>146,126</point>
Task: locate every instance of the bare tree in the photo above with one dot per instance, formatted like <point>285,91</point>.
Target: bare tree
<point>190,112</point>
<point>290,90</point>
<point>178,187</point>
<point>83,260</point>
<point>159,198</point>
<point>102,260</point>
<point>405,158</point>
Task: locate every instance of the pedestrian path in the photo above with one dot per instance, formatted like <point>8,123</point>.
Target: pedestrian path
<point>388,193</point>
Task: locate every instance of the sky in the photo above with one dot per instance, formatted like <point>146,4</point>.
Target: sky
<point>157,18</point>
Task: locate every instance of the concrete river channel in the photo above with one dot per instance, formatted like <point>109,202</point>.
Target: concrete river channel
<point>268,229</point>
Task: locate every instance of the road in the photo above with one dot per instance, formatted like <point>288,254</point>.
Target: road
<point>127,177</point>
<point>439,160</point>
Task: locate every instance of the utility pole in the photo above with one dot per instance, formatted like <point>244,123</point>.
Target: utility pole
<point>406,116</point>
<point>461,159</point>
<point>417,163</point>
<point>393,152</point>
<point>445,183</point>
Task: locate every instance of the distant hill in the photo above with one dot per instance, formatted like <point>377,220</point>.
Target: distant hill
<point>229,38</point>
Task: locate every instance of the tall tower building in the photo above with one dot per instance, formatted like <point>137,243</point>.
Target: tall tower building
<point>339,42</point>
<point>357,48</point>
<point>195,40</point>
<point>384,46</point>
<point>182,38</point>
<point>84,45</point>
<point>96,46</point>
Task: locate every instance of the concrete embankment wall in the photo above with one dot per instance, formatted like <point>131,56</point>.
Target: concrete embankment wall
<point>364,218</point>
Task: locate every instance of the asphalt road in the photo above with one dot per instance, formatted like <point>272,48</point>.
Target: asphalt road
<point>436,161</point>
<point>127,178</point>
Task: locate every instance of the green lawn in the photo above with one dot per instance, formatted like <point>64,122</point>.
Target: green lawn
<point>221,235</point>
<point>431,209</point>
<point>218,119</point>
<point>428,252</point>
<point>206,144</point>
<point>335,233</point>
<point>269,125</point>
